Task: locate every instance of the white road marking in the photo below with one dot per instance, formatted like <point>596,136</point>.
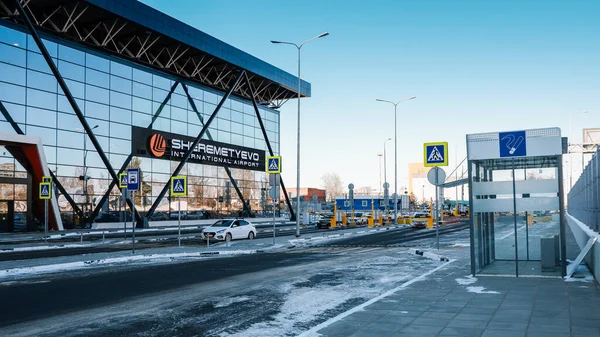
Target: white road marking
<point>313,331</point>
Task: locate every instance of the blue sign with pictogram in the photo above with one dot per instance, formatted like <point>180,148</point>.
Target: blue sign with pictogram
<point>45,191</point>
<point>513,144</point>
<point>274,164</point>
<point>435,154</point>
<point>179,186</point>
<point>133,179</point>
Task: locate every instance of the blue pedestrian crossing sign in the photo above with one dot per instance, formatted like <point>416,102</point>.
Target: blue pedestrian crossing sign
<point>45,191</point>
<point>179,186</point>
<point>274,164</point>
<point>47,179</point>
<point>435,154</point>
<point>123,180</point>
<point>133,179</point>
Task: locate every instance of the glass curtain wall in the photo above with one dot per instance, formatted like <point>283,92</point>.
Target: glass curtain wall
<point>115,95</point>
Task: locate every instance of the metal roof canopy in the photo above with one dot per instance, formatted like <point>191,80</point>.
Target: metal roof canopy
<point>136,32</point>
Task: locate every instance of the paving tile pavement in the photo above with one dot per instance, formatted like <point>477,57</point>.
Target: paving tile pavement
<point>488,307</point>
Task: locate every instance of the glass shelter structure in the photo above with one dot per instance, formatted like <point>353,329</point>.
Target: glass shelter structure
<point>517,213</point>
<point>112,84</point>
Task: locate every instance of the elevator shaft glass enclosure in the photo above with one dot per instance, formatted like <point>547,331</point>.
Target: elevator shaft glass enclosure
<point>517,213</point>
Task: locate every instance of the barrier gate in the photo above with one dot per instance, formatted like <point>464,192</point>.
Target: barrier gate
<point>516,203</point>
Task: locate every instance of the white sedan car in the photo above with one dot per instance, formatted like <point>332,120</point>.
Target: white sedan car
<point>229,229</point>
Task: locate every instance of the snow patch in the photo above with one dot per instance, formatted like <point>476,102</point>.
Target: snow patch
<point>461,245</point>
<point>466,281</point>
<point>480,290</point>
<point>231,300</point>
<point>151,258</point>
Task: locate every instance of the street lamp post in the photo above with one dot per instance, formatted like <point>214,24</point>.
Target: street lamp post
<point>396,152</point>
<point>570,156</point>
<point>379,154</point>
<point>298,141</point>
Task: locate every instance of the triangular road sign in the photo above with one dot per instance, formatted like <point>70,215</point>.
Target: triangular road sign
<point>178,188</point>
<point>435,155</point>
<point>273,164</point>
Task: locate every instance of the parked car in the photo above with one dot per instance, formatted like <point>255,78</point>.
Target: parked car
<point>195,215</point>
<point>229,229</point>
<point>420,220</point>
<point>175,215</point>
<point>324,221</point>
<point>159,216</point>
<point>107,217</point>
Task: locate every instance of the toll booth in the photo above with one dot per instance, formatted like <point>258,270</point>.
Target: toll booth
<point>516,203</point>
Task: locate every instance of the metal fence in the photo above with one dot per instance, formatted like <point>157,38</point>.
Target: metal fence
<point>584,197</point>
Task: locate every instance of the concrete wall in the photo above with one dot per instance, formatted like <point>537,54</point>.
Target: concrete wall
<point>582,234</point>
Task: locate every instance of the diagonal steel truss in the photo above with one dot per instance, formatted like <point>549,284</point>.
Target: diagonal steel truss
<point>230,78</point>
<point>98,29</point>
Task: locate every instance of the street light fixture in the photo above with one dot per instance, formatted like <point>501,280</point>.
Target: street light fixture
<point>396,151</point>
<point>570,156</point>
<point>298,141</point>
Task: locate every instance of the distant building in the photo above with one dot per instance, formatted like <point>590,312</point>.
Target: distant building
<point>307,193</point>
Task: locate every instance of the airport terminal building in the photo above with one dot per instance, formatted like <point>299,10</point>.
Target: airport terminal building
<point>114,84</point>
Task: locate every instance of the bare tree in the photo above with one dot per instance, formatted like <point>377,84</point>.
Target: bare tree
<point>332,183</point>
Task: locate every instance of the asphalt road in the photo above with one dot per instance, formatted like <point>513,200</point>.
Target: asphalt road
<point>267,294</point>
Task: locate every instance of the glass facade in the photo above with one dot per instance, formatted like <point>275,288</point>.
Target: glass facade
<point>114,95</point>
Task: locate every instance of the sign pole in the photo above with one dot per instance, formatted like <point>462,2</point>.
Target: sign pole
<point>124,199</point>
<point>179,221</point>
<point>133,220</point>
<point>273,221</point>
<point>437,205</point>
<point>45,220</point>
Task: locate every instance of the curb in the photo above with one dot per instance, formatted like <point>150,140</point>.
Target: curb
<point>431,256</point>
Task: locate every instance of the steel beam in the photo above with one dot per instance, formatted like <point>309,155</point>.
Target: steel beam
<point>193,146</point>
<point>209,136</point>
<point>130,157</point>
<point>68,95</point>
<point>264,132</point>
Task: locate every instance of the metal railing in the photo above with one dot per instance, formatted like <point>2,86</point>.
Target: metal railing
<point>584,198</point>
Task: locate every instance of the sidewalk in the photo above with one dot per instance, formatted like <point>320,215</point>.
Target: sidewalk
<point>449,302</point>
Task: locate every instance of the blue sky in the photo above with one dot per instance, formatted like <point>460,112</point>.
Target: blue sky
<point>475,66</point>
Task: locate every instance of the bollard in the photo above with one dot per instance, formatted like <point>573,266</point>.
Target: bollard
<point>81,235</point>
<point>102,236</point>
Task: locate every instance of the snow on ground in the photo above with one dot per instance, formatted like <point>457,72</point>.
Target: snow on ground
<point>134,259</point>
<point>582,274</point>
<point>480,290</point>
<point>357,280</point>
<point>469,279</point>
<point>231,300</point>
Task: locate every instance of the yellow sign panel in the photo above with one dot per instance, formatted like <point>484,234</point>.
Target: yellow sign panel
<point>123,180</point>
<point>179,186</point>
<point>435,154</point>
<point>273,164</point>
<point>45,191</point>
